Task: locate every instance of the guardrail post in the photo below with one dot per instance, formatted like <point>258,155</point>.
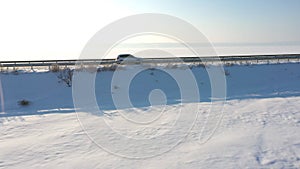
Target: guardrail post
<point>31,66</point>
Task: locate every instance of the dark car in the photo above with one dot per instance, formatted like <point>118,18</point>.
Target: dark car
<point>128,58</point>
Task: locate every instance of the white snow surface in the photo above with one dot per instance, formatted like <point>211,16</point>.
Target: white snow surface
<point>259,127</point>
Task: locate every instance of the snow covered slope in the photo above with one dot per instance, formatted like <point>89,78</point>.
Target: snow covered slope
<point>259,129</point>
<point>48,93</point>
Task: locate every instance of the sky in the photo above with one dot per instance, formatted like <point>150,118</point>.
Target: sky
<point>59,29</point>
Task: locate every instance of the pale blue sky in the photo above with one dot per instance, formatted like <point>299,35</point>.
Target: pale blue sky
<point>59,29</point>
<point>237,21</point>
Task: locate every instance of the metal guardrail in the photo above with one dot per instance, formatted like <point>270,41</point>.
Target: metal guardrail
<point>38,63</point>
<point>257,58</point>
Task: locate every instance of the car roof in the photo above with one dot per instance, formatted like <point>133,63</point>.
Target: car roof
<point>125,55</point>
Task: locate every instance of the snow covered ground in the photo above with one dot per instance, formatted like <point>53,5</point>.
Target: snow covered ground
<point>259,127</point>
